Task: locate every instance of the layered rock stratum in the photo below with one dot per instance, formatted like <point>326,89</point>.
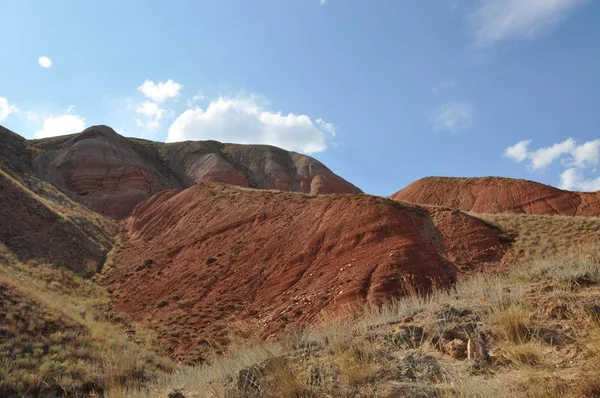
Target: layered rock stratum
<point>110,174</point>
<point>201,260</point>
<point>499,195</point>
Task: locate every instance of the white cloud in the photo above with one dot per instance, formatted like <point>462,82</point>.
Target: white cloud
<point>323,2</point>
<point>587,154</point>
<point>453,116</point>
<point>149,109</point>
<point>32,116</point>
<point>161,91</point>
<point>572,180</point>
<point>517,152</point>
<point>245,120</point>
<point>6,108</point>
<point>151,113</point>
<point>60,125</point>
<point>578,160</point>
<point>498,20</point>
<point>543,157</point>
<point>45,62</point>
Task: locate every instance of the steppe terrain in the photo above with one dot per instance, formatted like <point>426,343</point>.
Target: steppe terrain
<point>130,268</point>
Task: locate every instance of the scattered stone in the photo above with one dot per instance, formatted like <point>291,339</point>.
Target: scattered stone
<point>560,311</point>
<point>456,348</point>
<point>476,350</point>
<point>451,314</point>
<point>146,264</point>
<point>253,381</point>
<point>421,368</point>
<point>406,336</point>
<point>463,331</point>
<point>554,338</point>
<point>474,366</point>
<point>318,373</point>
<point>249,380</point>
<point>592,308</point>
<point>162,304</point>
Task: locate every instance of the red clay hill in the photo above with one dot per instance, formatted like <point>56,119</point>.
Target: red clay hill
<point>196,263</point>
<point>214,253</point>
<point>111,174</point>
<point>499,195</point>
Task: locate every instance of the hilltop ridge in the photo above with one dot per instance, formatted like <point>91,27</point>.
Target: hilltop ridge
<point>499,195</point>
<point>110,174</point>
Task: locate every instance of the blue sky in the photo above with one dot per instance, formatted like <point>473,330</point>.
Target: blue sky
<point>383,92</point>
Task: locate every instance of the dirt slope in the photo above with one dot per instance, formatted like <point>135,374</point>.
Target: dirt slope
<point>40,224</point>
<point>111,174</point>
<point>497,195</point>
<point>199,261</point>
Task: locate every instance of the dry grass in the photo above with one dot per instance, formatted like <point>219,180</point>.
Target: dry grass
<point>39,223</point>
<point>513,325</point>
<point>539,236</point>
<point>393,350</point>
<point>56,341</point>
<point>528,354</point>
<point>397,350</point>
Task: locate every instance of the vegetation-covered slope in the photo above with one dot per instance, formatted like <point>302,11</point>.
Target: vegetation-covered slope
<point>56,339</point>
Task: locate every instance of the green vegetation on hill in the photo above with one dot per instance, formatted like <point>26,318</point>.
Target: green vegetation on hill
<point>56,339</point>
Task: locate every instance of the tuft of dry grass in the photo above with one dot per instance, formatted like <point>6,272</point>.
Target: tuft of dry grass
<point>513,325</point>
<point>525,354</point>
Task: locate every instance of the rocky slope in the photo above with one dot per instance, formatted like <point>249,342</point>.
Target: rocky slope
<point>202,260</point>
<point>533,332</point>
<point>111,174</point>
<point>39,224</point>
<point>498,195</point>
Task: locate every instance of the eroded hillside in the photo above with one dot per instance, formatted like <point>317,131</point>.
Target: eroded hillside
<point>40,223</point>
<point>110,174</point>
<point>499,195</point>
<point>201,260</point>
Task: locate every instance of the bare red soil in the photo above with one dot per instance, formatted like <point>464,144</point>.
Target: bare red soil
<point>111,174</point>
<point>199,261</point>
<point>498,195</point>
